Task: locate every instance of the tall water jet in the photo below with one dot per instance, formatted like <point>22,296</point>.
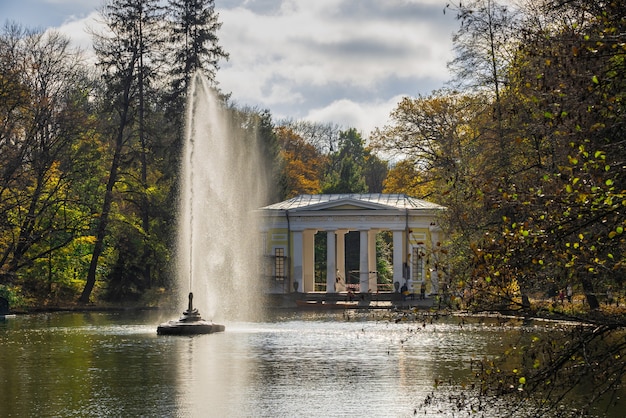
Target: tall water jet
<point>223,183</point>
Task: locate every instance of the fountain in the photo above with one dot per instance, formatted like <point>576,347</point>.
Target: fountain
<point>222,184</point>
<point>191,323</point>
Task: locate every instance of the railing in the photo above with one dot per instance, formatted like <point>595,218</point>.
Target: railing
<point>353,287</point>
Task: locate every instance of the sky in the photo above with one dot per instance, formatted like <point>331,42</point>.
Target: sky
<point>344,62</point>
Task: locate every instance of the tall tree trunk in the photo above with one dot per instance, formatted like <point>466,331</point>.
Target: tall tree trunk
<point>589,293</point>
<point>108,196</point>
<point>102,223</point>
<point>145,215</point>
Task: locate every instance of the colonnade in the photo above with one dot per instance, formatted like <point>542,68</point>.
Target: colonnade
<point>290,227</point>
<point>304,260</point>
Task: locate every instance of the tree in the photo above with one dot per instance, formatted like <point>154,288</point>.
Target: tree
<point>270,154</point>
<point>531,171</point>
<point>375,171</point>
<point>562,217</point>
<point>193,43</point>
<point>435,135</point>
<point>121,53</point>
<point>561,210</point>
<point>344,174</point>
<point>147,24</point>
<point>42,139</point>
<point>404,178</point>
<point>301,165</point>
<point>325,137</point>
<point>485,46</point>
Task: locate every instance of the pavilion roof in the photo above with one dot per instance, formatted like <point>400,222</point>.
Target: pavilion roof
<point>367,201</point>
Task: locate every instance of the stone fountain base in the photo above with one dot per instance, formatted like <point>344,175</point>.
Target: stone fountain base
<point>188,328</point>
<point>191,323</point>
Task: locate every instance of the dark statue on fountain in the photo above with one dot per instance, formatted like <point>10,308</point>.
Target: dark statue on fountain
<point>191,314</point>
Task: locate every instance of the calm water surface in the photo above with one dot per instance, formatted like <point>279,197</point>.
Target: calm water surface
<point>296,364</point>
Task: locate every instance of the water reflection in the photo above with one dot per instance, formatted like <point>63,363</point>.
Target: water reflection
<point>104,364</point>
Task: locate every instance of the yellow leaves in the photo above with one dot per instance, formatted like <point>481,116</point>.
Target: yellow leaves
<point>618,231</point>
<point>404,178</point>
<point>302,162</point>
<point>597,126</point>
<point>88,240</point>
<point>152,191</point>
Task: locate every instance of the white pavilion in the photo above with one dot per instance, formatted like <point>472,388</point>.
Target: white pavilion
<point>289,229</point>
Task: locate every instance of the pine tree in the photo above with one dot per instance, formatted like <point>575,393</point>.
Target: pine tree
<point>193,43</point>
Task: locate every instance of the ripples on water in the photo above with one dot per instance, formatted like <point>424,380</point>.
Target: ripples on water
<point>299,364</point>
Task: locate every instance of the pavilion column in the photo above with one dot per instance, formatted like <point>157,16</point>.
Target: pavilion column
<point>341,260</point>
<point>331,257</point>
<point>308,260</point>
<point>363,262</point>
<point>398,251</point>
<point>434,274</point>
<point>372,268</point>
<point>297,262</point>
<point>410,270</point>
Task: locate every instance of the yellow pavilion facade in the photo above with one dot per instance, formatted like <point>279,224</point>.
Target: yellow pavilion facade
<point>288,240</point>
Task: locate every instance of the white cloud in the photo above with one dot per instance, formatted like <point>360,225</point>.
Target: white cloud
<point>364,115</point>
<point>303,55</point>
<point>305,43</point>
<point>77,30</point>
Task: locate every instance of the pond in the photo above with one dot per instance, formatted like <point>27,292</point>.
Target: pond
<point>314,364</point>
